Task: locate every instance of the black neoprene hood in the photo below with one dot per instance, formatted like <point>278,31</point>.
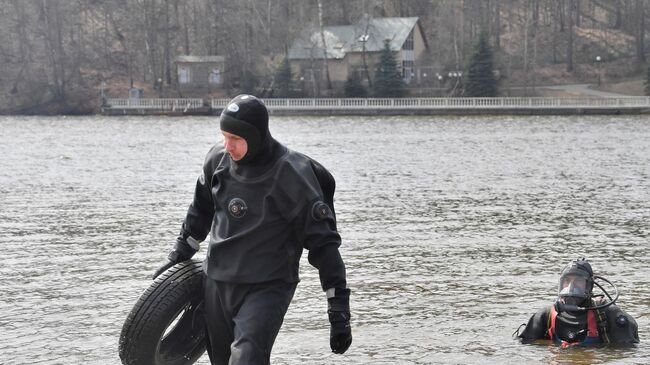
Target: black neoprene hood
<point>246,116</point>
<point>579,267</point>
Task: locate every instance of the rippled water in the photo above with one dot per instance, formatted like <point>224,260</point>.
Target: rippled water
<point>454,229</point>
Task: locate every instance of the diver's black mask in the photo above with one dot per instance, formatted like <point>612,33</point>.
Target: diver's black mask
<point>576,284</point>
<point>246,116</point>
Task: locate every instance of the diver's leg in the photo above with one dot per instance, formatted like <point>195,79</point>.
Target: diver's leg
<point>258,322</point>
<point>218,321</point>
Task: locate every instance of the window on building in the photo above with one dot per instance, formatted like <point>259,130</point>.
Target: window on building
<point>359,72</point>
<point>408,57</point>
<point>215,76</point>
<point>309,75</point>
<point>408,43</point>
<point>183,75</point>
<point>408,70</point>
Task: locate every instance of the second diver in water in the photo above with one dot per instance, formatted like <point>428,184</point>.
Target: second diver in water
<point>580,318</point>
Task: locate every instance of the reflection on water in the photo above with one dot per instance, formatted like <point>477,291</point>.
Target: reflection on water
<point>455,230</point>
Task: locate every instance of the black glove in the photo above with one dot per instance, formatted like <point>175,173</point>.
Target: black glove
<point>338,311</point>
<point>182,252</point>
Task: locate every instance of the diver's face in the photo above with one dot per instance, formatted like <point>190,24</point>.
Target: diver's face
<point>235,145</point>
<point>573,284</point>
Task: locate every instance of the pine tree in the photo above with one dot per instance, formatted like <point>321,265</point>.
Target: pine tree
<point>388,81</point>
<point>353,87</point>
<point>647,82</point>
<point>480,77</point>
<point>283,79</point>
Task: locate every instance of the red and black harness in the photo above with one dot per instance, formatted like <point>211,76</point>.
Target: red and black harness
<point>596,334</point>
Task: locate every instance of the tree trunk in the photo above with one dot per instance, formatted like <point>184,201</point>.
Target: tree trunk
<point>639,35</point>
<point>628,12</point>
<point>569,47</point>
<point>54,46</point>
<point>24,48</point>
<point>460,54</point>
<point>535,38</point>
<point>535,24</point>
<point>167,54</point>
<point>619,15</point>
<point>497,25</point>
<point>525,56</point>
<point>269,43</point>
<point>186,31</point>
<point>322,35</point>
<point>150,26</point>
<point>561,6</point>
<point>105,38</point>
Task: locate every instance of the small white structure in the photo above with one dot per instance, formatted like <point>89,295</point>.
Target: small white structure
<point>200,72</point>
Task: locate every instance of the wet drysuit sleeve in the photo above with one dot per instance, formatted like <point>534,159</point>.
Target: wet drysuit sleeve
<point>622,329</point>
<point>316,230</point>
<point>537,327</point>
<point>200,213</point>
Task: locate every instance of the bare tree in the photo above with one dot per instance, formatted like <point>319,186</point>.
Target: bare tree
<point>570,34</point>
<point>23,44</point>
<point>639,34</point>
<point>52,33</point>
<point>167,50</point>
<point>497,25</point>
<point>186,29</point>
<point>322,37</point>
<point>52,49</point>
<point>526,30</point>
<point>619,14</point>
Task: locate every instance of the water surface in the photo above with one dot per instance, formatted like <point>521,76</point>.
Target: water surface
<point>454,230</point>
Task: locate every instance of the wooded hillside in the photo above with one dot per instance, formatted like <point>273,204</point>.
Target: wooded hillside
<point>55,54</point>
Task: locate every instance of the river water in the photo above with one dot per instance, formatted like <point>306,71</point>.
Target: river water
<point>454,230</point>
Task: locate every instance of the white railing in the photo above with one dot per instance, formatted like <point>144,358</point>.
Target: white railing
<point>450,103</point>
<point>158,104</point>
<point>395,104</point>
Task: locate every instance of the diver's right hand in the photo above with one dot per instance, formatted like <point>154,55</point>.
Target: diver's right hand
<point>183,251</point>
<point>162,269</point>
<point>174,258</point>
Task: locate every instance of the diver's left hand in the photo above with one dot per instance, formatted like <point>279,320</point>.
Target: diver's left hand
<point>340,332</point>
<point>338,312</point>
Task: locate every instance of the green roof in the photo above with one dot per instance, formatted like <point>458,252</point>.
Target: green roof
<point>343,39</point>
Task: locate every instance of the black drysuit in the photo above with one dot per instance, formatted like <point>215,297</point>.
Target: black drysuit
<point>260,216</point>
<point>615,326</point>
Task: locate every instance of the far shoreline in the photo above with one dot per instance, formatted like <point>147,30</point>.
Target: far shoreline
<point>439,106</point>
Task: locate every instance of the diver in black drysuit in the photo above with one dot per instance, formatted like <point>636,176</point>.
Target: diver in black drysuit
<point>260,211</point>
<point>576,319</point>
